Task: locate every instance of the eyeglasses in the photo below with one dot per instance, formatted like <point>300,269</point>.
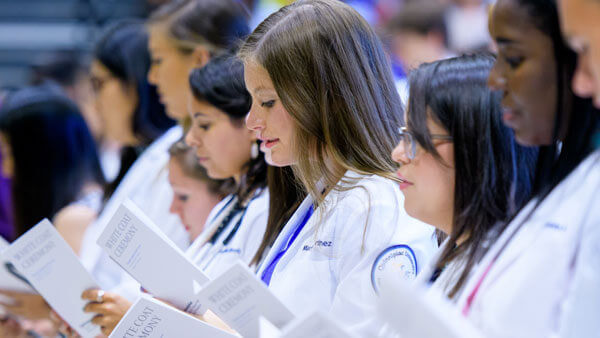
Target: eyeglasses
<point>410,146</point>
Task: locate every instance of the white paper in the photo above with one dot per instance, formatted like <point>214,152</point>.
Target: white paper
<point>43,257</point>
<point>315,325</point>
<point>151,318</point>
<point>9,281</point>
<point>133,241</point>
<point>413,313</point>
<point>239,298</point>
<point>267,329</point>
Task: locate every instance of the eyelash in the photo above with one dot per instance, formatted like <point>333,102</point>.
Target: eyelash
<point>514,62</point>
<point>204,126</point>
<point>156,61</point>
<point>183,198</point>
<point>268,104</point>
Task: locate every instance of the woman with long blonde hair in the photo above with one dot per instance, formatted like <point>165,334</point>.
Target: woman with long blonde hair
<point>324,103</point>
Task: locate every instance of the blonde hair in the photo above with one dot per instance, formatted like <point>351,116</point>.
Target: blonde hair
<point>333,77</point>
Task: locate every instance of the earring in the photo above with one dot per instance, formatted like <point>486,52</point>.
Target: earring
<point>254,150</point>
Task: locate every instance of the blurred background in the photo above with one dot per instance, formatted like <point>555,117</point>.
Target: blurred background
<point>53,38</point>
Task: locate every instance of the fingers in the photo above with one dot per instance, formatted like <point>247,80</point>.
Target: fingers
<point>105,308</point>
<point>106,323</point>
<point>91,294</point>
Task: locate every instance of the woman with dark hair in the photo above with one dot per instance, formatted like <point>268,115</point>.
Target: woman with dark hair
<point>227,150</point>
<point>129,106</point>
<point>50,156</point>
<point>525,284</point>
<point>532,281</point>
<point>461,168</point>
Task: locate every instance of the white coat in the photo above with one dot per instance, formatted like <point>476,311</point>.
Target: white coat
<point>215,259</point>
<point>147,185</point>
<point>546,281</point>
<point>334,265</point>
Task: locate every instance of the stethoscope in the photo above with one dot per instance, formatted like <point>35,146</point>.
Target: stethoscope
<point>223,225</point>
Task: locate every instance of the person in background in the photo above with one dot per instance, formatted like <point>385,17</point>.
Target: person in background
<point>195,194</point>
<point>417,34</point>
<point>127,104</point>
<point>182,35</point>
<point>70,69</point>
<point>579,20</point>
<point>466,21</point>
<point>50,156</point>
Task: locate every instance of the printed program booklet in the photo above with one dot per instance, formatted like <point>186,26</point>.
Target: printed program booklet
<point>239,298</point>
<point>134,242</point>
<point>151,318</point>
<point>43,257</point>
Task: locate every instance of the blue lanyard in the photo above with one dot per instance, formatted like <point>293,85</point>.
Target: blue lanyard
<point>268,272</point>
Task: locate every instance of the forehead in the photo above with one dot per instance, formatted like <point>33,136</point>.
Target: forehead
<point>157,37</point>
<point>257,78</point>
<point>579,17</point>
<point>511,21</point>
<point>202,109</point>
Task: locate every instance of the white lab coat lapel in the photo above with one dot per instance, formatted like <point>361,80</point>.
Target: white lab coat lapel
<point>285,233</point>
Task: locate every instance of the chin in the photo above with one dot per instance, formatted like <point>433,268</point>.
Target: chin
<point>276,161</point>
<point>532,140</point>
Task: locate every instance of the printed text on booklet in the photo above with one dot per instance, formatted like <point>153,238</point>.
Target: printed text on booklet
<point>134,242</point>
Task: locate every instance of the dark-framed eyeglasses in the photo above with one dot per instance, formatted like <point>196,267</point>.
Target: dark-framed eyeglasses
<point>410,146</point>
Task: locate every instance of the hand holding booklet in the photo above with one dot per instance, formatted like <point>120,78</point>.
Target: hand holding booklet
<point>151,318</point>
<point>134,242</point>
<point>43,257</point>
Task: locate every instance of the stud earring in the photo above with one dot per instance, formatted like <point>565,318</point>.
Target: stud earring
<point>254,150</point>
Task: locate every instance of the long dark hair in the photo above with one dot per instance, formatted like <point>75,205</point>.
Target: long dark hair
<point>582,118</point>
<point>54,153</point>
<point>493,174</point>
<point>123,50</point>
<point>221,84</point>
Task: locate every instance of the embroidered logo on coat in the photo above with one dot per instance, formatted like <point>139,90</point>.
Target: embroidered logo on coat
<point>393,263</point>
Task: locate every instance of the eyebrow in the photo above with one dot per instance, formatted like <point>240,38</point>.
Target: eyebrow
<point>262,89</point>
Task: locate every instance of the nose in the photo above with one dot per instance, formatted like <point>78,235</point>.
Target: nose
<point>254,119</point>
<point>152,77</point>
<point>583,81</point>
<point>175,205</point>
<point>495,80</point>
<point>190,140</point>
<point>399,154</point>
